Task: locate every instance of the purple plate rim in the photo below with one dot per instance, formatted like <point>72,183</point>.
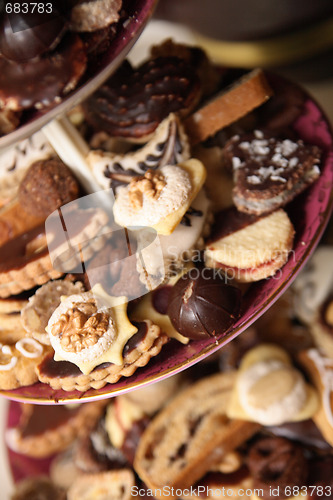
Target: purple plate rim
<point>111,390</point>
<point>124,41</point>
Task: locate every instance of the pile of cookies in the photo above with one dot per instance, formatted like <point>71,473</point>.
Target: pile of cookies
<point>82,304</point>
<point>253,421</point>
<point>46,49</point>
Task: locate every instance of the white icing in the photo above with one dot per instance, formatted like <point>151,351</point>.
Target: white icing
<point>32,343</point>
<point>278,412</point>
<point>324,366</point>
<point>6,350</point>
<point>173,196</point>
<point>89,353</point>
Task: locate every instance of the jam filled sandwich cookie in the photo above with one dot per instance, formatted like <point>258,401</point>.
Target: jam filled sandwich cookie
<point>190,435</point>
<point>269,390</point>
<point>249,248</point>
<point>269,172</point>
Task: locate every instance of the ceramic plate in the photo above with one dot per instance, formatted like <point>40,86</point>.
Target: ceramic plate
<point>139,12</point>
<point>309,213</point>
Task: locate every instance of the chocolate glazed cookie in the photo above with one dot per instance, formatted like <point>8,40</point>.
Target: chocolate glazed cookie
<point>134,109</point>
<point>276,462</point>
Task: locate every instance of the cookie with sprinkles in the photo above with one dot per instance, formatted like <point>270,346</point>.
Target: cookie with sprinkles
<point>269,172</point>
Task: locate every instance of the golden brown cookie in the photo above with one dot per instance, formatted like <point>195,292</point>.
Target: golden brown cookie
<point>18,362</point>
<point>115,485</point>
<point>25,261</point>
<point>243,96</point>
<point>37,312</point>
<point>190,435</point>
<point>44,430</point>
<point>144,345</point>
<point>249,248</point>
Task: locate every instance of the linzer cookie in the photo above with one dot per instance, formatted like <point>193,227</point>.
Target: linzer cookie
<point>320,370</point>
<point>249,248</point>
<point>139,349</point>
<point>269,172</point>
<point>190,435</point>
<point>45,430</point>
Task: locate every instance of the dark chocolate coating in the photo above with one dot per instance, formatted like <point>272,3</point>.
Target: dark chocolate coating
<point>202,305</point>
<point>133,102</point>
<point>25,36</point>
<point>42,81</point>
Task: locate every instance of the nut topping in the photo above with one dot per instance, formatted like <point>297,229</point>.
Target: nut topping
<point>81,326</point>
<point>150,184</point>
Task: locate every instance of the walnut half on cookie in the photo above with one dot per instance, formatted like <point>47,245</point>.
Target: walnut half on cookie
<point>90,328</point>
